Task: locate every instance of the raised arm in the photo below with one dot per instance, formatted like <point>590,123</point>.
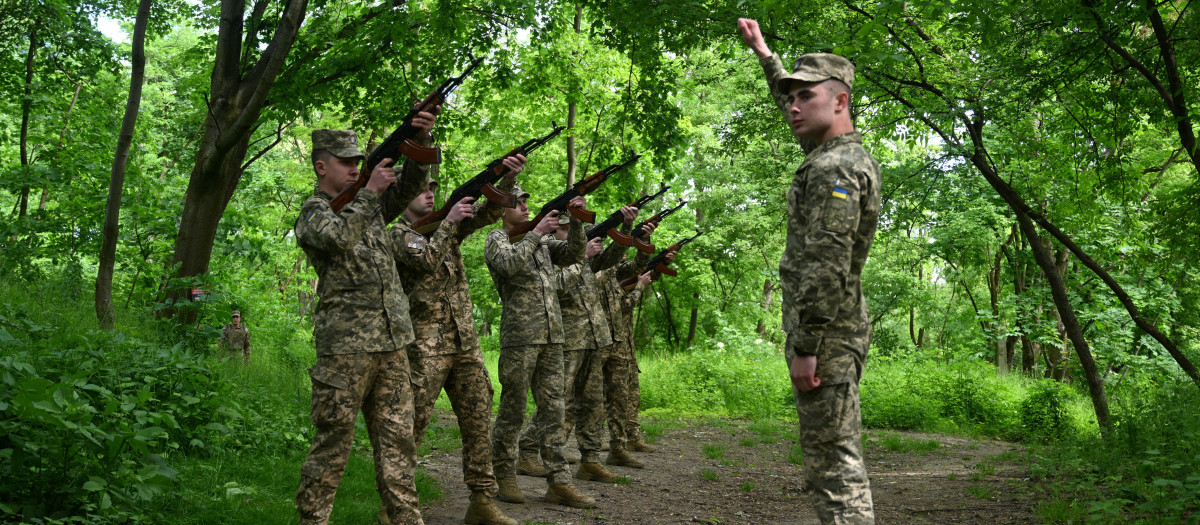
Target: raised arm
<point>508,258</point>
<point>321,229</point>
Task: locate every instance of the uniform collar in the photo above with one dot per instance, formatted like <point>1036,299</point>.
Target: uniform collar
<point>851,137</point>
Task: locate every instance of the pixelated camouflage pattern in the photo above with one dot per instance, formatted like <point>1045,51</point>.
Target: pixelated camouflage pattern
<point>362,306</point>
<point>579,297</point>
<point>377,383</point>
<point>539,368</point>
<point>584,406</point>
<point>614,297</point>
<point>235,339</point>
<point>469,387</point>
<point>619,366</point>
<point>617,370</point>
<point>340,142</point>
<point>633,397</point>
<point>818,67</point>
<point>526,279</point>
<point>831,437</point>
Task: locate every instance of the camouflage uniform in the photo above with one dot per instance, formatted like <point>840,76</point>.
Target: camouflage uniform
<point>833,210</point>
<point>236,339</point>
<point>361,329</point>
<point>620,365</point>
<point>446,353</point>
<point>531,339</point>
<point>588,340</point>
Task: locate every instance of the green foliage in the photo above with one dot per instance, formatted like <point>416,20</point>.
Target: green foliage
<point>714,450</point>
<point>897,443</point>
<point>710,475</point>
<point>1045,415</point>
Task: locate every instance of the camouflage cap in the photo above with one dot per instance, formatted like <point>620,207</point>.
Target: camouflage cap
<point>817,67</point>
<point>518,192</point>
<point>340,142</point>
<point>236,313</point>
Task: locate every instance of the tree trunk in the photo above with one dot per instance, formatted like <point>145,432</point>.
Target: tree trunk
<point>768,291</point>
<point>112,213</point>
<point>26,109</point>
<point>234,106</point>
<point>572,155</point>
<point>692,321</point>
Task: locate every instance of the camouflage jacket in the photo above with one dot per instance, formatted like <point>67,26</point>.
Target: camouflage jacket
<point>617,302</point>
<point>526,280</point>
<point>431,269</point>
<point>362,306</point>
<point>235,338</point>
<point>581,299</point>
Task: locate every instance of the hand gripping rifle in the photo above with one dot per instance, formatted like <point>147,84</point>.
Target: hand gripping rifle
<point>659,264</point>
<point>609,226</point>
<point>401,142</point>
<point>559,203</point>
<point>483,184</point>
<point>641,228</point>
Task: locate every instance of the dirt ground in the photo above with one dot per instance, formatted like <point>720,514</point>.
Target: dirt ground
<point>734,472</point>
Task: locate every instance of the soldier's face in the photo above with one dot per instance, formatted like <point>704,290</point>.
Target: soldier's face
<point>237,321</point>
<point>519,214</point>
<point>812,111</point>
<point>336,173</point>
<point>423,204</point>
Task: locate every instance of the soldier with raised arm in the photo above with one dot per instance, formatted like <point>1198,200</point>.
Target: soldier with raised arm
<point>833,210</point>
<point>361,326</point>
<point>531,339</point>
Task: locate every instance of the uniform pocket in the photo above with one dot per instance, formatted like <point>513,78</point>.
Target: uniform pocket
<point>324,374</point>
<point>835,213</point>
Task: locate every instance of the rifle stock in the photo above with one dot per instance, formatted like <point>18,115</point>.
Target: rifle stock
<point>401,142</point>
<point>484,184</point>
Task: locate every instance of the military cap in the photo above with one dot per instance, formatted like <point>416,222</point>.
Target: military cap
<point>817,67</point>
<point>236,313</point>
<point>340,142</point>
<point>518,192</point>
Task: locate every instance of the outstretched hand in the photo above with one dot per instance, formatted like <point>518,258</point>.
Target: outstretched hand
<point>753,37</point>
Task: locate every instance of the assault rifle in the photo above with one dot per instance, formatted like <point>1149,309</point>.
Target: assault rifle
<point>401,142</point>
<point>609,226</point>
<point>659,264</point>
<point>483,184</point>
<point>559,203</point>
<point>641,228</point>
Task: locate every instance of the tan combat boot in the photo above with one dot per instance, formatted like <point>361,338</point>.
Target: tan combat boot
<point>509,491</point>
<point>641,446</point>
<point>483,511</point>
<point>567,494</point>
<point>531,466</point>
<point>383,517</point>
<point>594,471</point>
<point>622,457</point>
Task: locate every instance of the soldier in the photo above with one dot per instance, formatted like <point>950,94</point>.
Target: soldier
<point>531,339</point>
<point>235,337</point>
<point>620,365</point>
<point>587,342</point>
<point>446,353</point>
<point>833,210</point>
<point>361,325</point>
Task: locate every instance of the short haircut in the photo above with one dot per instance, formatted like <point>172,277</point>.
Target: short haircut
<point>837,86</point>
<point>320,154</point>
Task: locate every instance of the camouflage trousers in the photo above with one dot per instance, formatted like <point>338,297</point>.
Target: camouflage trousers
<point>538,368</point>
<point>584,413</point>
<point>376,383</point>
<point>617,369</point>
<point>469,388</point>
<point>831,437</point>
<point>633,429</point>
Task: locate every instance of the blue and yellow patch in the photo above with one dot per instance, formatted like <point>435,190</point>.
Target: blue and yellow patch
<point>840,193</point>
<point>310,216</point>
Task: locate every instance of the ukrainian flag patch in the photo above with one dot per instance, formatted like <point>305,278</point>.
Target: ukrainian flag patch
<point>840,193</point>
<point>314,212</point>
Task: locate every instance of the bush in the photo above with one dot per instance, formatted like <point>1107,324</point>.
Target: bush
<point>1044,414</point>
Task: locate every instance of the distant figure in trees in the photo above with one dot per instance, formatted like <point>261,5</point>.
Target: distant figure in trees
<point>362,325</point>
<point>833,210</point>
<point>235,338</point>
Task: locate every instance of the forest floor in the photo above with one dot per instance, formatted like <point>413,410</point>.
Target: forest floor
<point>736,472</point>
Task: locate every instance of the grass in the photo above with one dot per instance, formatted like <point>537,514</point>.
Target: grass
<point>980,491</point>
<point>747,486</point>
<point>747,442</point>
<point>796,455</point>
<point>714,450</point>
<point>710,475</point>
<point>897,443</point>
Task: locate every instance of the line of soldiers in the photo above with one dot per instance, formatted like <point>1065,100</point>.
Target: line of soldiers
<point>394,327</point>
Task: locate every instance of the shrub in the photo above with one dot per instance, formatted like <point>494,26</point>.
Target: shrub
<point>1044,414</point>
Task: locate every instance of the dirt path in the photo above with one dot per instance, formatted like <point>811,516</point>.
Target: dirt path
<point>726,472</point>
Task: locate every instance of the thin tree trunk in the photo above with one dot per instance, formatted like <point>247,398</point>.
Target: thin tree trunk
<point>572,154</point>
<point>116,184</point>
<point>26,109</point>
<point>768,291</point>
<point>692,321</point>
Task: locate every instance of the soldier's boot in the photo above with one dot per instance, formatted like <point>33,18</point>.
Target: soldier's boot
<point>594,471</point>
<point>532,466</point>
<point>382,516</point>
<point>640,446</point>
<point>483,511</point>
<point>622,457</point>
<point>509,491</point>
<point>567,494</point>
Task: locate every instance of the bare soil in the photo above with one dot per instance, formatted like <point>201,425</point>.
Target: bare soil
<point>755,478</point>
